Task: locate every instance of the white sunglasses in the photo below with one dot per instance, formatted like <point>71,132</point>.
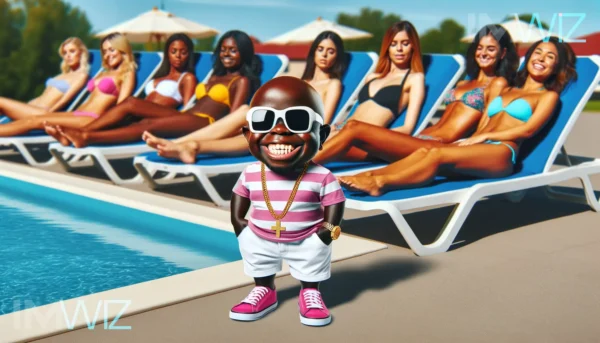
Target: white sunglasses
<point>297,119</point>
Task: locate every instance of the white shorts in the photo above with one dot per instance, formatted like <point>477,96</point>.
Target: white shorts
<point>309,259</point>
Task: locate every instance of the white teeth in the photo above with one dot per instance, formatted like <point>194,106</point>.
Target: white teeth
<point>280,149</point>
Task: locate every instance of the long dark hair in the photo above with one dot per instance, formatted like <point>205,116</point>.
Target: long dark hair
<point>564,69</point>
<point>251,66</point>
<point>165,66</point>
<point>338,68</point>
<point>505,67</point>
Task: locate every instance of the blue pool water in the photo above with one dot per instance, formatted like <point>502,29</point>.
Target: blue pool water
<point>56,246</point>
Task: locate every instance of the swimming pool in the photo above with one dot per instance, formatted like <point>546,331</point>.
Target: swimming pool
<point>56,245</point>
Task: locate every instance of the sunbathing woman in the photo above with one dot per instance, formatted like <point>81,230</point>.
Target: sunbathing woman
<point>110,87</point>
<point>325,66</point>
<point>398,82</point>
<point>492,63</point>
<point>61,89</point>
<point>173,84</point>
<point>235,78</point>
<point>516,115</point>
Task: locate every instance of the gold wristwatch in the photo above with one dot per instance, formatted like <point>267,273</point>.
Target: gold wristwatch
<point>336,231</point>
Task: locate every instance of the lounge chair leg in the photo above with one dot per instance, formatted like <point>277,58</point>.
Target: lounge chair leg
<point>102,163</point>
<point>21,148</point>
<point>147,175</point>
<point>588,189</point>
<point>204,183</point>
<point>447,234</point>
<point>60,159</point>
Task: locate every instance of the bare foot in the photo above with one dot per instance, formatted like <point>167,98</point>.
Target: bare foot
<point>52,131</point>
<point>73,135</point>
<point>154,141</point>
<point>370,185</point>
<point>186,152</point>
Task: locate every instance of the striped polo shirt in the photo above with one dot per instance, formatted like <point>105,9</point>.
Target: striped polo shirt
<point>317,189</point>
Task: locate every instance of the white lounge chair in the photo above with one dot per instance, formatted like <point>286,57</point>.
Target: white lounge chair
<point>25,144</point>
<point>536,157</point>
<point>273,65</point>
<point>441,73</point>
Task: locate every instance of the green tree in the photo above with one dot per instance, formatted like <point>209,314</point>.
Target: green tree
<point>445,39</point>
<point>370,20</point>
<point>12,20</point>
<point>205,44</point>
<point>527,18</point>
<point>48,24</point>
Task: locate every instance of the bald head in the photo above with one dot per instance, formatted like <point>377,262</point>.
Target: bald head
<point>286,91</point>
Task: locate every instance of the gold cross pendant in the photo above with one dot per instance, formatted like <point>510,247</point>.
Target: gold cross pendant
<point>277,228</point>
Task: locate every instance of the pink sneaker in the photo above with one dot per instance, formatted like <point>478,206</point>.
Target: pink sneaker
<point>256,305</point>
<point>313,311</point>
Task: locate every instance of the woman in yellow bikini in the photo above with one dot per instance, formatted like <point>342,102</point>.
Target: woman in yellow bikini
<point>235,78</point>
<point>326,64</point>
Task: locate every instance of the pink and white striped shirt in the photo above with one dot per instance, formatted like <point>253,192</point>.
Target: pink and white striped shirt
<point>318,188</point>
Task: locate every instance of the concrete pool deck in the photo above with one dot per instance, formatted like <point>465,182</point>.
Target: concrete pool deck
<point>525,272</point>
<point>24,325</point>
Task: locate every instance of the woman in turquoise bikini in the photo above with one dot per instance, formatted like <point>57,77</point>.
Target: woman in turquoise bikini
<point>492,63</point>
<point>515,115</point>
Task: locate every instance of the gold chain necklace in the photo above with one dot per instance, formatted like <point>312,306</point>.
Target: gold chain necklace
<point>277,227</point>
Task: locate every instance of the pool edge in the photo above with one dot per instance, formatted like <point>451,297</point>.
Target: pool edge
<point>148,295</point>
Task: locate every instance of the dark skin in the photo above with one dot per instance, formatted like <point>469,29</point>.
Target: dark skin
<point>281,93</point>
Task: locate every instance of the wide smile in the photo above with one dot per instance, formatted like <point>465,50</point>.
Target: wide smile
<point>281,152</point>
<point>485,60</point>
<point>538,66</point>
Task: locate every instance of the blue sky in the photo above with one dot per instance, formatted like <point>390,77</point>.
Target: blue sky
<point>266,19</point>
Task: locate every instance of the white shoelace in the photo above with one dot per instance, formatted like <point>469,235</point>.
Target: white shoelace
<point>313,299</point>
<point>255,295</point>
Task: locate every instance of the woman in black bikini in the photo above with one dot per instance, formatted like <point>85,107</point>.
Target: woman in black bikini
<point>513,117</point>
<point>492,63</point>
<point>398,82</point>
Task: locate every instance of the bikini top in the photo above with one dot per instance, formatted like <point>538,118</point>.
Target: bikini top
<point>105,85</point>
<point>518,108</point>
<point>62,85</point>
<point>218,92</point>
<point>167,88</point>
<point>473,98</point>
<point>388,96</point>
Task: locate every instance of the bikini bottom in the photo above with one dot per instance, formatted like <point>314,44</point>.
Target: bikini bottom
<point>204,115</point>
<point>514,153</point>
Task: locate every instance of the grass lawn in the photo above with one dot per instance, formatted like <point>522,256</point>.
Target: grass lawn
<point>592,106</point>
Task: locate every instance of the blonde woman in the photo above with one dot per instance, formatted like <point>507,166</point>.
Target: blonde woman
<point>61,89</point>
<point>111,87</point>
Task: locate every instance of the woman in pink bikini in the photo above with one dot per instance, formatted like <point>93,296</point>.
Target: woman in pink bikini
<point>109,88</point>
<point>172,86</point>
